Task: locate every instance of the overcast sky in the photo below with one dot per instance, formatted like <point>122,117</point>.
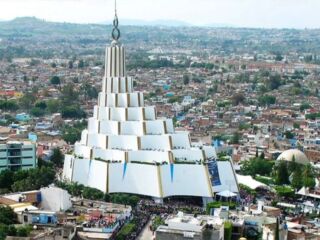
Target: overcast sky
<point>242,13</point>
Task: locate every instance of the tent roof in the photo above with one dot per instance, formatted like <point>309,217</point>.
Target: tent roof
<point>226,193</point>
<point>250,182</point>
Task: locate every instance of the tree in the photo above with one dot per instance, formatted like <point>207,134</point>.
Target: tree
<point>6,179</point>
<point>57,157</point>
<point>289,135</point>
<point>53,105</point>
<point>274,82</point>
<point>7,216</point>
<point>266,100</point>
<point>186,79</point>
<point>282,175</point>
<point>237,99</point>
<point>55,80</point>
<point>70,64</point>
<point>73,111</point>
<point>235,138</point>
<point>27,101</point>
<point>257,166</point>
<point>69,95</point>
<point>81,64</point>
<point>308,176</point>
<point>92,194</point>
<point>279,57</point>
<point>37,112</point>
<point>297,181</point>
<point>41,104</point>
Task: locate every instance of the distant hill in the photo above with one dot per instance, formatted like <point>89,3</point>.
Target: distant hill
<point>167,23</point>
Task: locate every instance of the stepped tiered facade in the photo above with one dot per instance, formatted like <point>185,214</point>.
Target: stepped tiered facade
<point>127,149</point>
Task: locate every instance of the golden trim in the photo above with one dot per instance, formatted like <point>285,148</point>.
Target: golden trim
<point>171,143</point>
<point>144,128</point>
<point>160,182</point>
<point>165,127</point>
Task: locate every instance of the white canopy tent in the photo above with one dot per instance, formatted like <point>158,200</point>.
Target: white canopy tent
<point>250,182</point>
<point>226,194</point>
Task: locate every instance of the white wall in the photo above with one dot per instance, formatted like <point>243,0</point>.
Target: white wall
<point>98,175</point>
<point>227,178</point>
<point>67,167</point>
<point>148,156</point>
<point>139,179</point>
<point>55,199</point>
<point>188,180</point>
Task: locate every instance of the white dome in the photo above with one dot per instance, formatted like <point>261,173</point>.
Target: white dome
<point>299,156</point>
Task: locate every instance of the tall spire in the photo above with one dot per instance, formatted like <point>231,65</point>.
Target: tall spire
<point>115,31</point>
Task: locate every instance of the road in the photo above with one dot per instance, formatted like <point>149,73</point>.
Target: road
<point>146,234</point>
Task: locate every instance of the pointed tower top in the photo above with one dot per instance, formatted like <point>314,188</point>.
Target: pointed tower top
<point>115,32</point>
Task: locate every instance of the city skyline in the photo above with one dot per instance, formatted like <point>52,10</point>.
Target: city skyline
<point>235,13</point>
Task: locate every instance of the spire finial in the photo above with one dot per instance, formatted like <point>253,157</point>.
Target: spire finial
<point>115,32</point>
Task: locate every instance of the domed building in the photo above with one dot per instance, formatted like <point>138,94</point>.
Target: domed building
<point>296,154</point>
<point>128,149</point>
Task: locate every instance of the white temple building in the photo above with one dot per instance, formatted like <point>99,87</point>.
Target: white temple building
<point>127,149</point>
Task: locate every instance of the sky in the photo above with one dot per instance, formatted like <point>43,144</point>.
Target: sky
<point>238,13</point>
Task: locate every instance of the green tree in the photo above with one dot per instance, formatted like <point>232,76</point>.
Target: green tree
<point>81,64</point>
<point>53,105</point>
<point>297,181</point>
<point>27,101</point>
<point>69,96</point>
<point>308,176</point>
<point>37,112</point>
<point>41,104</point>
<point>282,175</point>
<point>238,98</point>
<point>7,216</point>
<point>186,79</point>
<point>57,157</point>
<point>274,82</point>
<point>55,80</point>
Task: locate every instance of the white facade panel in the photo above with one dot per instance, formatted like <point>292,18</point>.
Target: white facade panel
<point>84,137</point>
<point>210,152</point>
<point>98,175</point>
<point>135,114</point>
<point>122,100</point>
<point>134,100</point>
<point>150,113</point>
<point>108,155</point>
<point>227,178</point>
<point>82,151</point>
<point>123,142</point>
<point>180,140</point>
<point>148,156</point>
<point>93,125</point>
<point>186,180</point>
<point>188,155</point>
<point>155,143</point>
<point>81,171</point>
<point>103,113</point>
<point>67,167</point>
<point>132,128</point>
<point>97,140</point>
<point>155,127</point>
<point>136,179</point>
<point>118,114</point>
<point>111,100</point>
<point>170,127</point>
<point>109,127</point>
